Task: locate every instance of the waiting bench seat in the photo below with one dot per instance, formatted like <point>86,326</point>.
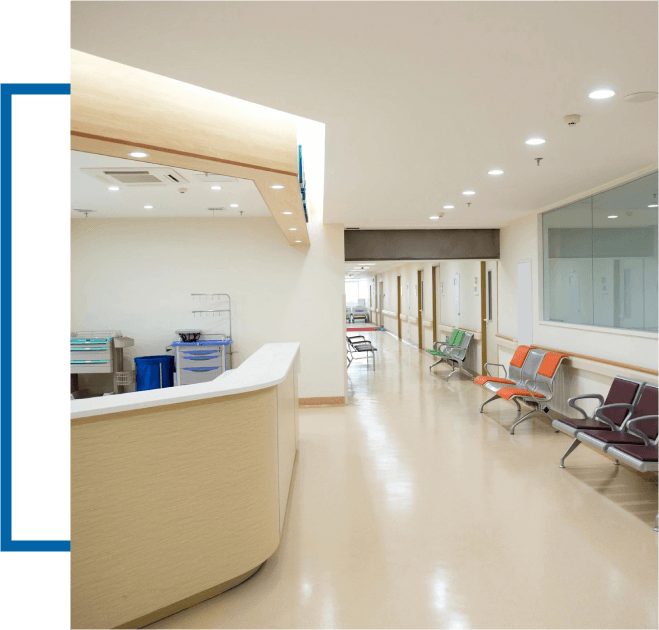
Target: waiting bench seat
<point>530,380</point>
<point>609,416</point>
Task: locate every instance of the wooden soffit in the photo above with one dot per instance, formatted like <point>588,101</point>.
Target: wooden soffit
<point>116,109</point>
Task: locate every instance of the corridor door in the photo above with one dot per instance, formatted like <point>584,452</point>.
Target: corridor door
<point>419,300</point>
<point>398,300</point>
<point>491,312</point>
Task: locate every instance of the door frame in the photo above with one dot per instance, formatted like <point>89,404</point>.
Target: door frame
<point>399,288</point>
<point>483,317</point>
<point>434,303</point>
<point>419,301</point>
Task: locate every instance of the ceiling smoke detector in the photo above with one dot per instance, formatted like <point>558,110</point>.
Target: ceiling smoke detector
<point>571,119</point>
<point>641,97</point>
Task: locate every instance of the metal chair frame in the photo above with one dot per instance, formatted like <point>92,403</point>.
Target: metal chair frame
<point>456,355</point>
<point>519,375</point>
<point>597,415</point>
<point>543,385</point>
<point>364,346</point>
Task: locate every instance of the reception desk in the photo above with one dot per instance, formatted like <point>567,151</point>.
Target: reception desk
<point>179,494</point>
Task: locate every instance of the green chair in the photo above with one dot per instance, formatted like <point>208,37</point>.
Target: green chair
<point>440,347</point>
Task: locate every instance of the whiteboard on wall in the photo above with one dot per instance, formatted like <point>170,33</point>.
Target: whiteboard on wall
<point>524,303</point>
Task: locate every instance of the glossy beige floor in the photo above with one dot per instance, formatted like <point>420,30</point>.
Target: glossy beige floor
<point>410,509</point>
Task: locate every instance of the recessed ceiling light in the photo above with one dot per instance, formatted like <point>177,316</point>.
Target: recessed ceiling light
<point>600,94</point>
<point>449,207</point>
<point>652,205</point>
<point>148,207</point>
<point>277,187</point>
<point>292,229</point>
<point>113,188</point>
<point>469,192</point>
<point>216,187</point>
<point>233,205</point>
<point>535,141</point>
<point>287,212</point>
<point>434,217</point>
<point>138,154</point>
<point>298,241</point>
<point>612,216</point>
<point>495,171</point>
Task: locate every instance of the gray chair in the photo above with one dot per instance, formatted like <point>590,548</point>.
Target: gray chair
<point>538,390</point>
<point>456,356</point>
<point>518,375</point>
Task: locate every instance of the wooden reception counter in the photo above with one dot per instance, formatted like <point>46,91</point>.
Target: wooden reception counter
<point>179,494</point>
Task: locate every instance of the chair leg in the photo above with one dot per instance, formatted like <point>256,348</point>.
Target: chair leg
<point>519,408</point>
<point>656,523</point>
<point>490,400</point>
<point>570,448</point>
<point>435,363</point>
<point>616,462</point>
<point>524,417</point>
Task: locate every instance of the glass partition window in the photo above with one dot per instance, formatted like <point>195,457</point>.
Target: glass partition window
<point>600,259</point>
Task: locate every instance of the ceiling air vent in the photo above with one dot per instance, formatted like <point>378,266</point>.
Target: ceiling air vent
<point>137,176</point>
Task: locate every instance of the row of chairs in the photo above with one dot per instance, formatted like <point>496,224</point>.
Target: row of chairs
<point>453,351</point>
<point>624,425</point>
<point>353,313</point>
<point>529,380</point>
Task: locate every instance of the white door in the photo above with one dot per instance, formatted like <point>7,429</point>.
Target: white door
<point>524,303</point>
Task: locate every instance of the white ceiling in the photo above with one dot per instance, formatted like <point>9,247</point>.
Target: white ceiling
<point>128,202</point>
<point>367,269</point>
<point>419,99</point>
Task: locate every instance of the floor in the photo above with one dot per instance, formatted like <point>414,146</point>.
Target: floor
<point>410,509</point>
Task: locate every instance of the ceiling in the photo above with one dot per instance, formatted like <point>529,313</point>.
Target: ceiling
<point>88,193</point>
<point>363,270</point>
<point>419,99</point>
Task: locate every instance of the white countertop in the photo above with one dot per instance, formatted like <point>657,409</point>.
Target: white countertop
<point>268,366</point>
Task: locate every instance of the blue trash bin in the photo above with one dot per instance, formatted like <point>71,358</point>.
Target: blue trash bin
<point>154,372</point>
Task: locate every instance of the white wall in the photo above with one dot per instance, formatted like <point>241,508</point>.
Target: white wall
<point>137,276</point>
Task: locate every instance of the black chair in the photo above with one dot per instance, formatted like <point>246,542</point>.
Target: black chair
<point>359,344</point>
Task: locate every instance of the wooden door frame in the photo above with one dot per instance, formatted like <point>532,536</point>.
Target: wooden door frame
<point>483,317</point>
<point>419,300</point>
<point>434,304</point>
<point>398,289</point>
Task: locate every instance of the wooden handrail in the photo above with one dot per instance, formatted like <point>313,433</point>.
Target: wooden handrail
<point>625,366</point>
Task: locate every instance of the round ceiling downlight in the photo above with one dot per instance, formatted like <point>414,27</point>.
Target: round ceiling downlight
<point>138,154</point>
<point>469,192</point>
<point>599,95</point>
<point>535,141</point>
<point>449,207</point>
<point>495,171</point>
<point>216,187</point>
